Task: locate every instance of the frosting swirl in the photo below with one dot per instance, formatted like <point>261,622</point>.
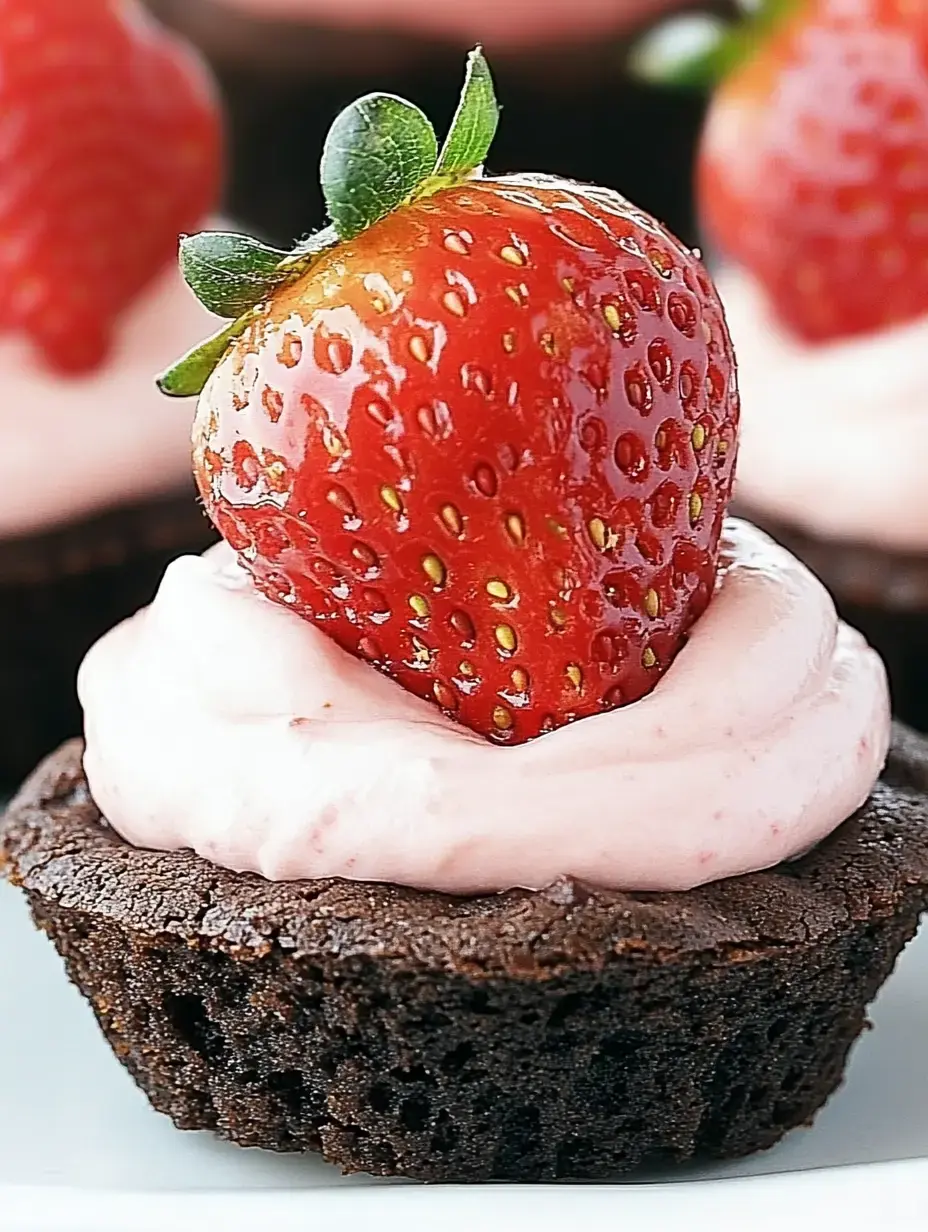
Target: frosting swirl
<point>219,721</point>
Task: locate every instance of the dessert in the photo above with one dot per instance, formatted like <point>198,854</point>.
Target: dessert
<point>813,174</point>
<point>486,806</point>
<point>287,68</point>
<point>110,156</point>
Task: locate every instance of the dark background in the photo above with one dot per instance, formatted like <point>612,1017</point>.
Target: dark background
<point>566,110</point>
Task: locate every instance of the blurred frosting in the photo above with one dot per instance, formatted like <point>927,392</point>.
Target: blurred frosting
<point>834,436</point>
<point>74,445</point>
<point>498,23</point>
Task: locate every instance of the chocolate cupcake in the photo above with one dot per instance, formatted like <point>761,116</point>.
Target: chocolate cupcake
<point>814,196</point>
<point>564,1034</point>
<point>95,492</point>
<point>573,1031</point>
<point>286,69</point>
<point>487,806</point>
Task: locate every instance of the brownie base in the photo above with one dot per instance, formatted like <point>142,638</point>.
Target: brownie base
<point>882,593</point>
<point>572,1033</point>
<point>60,590</point>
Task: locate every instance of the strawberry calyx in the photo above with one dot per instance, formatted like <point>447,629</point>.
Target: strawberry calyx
<point>698,50</point>
<point>380,153</point>
<point>232,275</point>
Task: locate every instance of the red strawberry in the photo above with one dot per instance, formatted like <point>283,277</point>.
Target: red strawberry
<point>110,147</point>
<point>813,172</point>
<point>486,443</point>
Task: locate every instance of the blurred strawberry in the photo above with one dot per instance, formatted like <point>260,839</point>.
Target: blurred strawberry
<point>109,148</point>
<point>813,172</point>
<point>485,441</point>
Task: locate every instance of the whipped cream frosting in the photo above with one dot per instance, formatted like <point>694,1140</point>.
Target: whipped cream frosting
<point>498,23</point>
<point>219,721</point>
<point>72,445</point>
<point>834,436</point>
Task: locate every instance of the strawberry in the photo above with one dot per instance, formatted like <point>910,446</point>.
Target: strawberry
<point>484,440</point>
<point>813,171</point>
<point>111,147</point>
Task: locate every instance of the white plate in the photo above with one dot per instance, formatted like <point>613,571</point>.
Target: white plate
<point>81,1151</point>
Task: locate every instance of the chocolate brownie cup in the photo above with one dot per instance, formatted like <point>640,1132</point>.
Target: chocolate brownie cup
<point>568,1033</point>
<point>59,590</point>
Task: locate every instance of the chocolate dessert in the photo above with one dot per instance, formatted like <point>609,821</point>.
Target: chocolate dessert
<point>570,1033</point>
<point>418,823</point>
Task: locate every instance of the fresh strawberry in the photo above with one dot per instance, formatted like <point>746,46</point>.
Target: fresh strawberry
<point>813,172</point>
<point>110,148</point>
<point>487,443</point>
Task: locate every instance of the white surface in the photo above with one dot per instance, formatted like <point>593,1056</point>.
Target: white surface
<point>80,1150</point>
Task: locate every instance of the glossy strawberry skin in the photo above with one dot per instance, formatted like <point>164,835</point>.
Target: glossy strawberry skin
<point>487,445</point>
<point>111,147</point>
<point>813,171</point>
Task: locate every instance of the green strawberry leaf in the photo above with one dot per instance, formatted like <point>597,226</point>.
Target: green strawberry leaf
<point>230,273</point>
<point>378,152</point>
<point>186,377</point>
<point>475,121</point>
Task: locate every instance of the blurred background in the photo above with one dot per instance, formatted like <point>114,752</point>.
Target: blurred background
<point>286,67</point>
<point>97,105</point>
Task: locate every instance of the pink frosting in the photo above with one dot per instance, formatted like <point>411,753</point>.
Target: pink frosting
<point>834,437</point>
<point>69,446</point>
<point>220,721</point>
<point>495,22</point>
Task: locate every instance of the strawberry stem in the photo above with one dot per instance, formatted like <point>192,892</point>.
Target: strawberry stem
<point>381,152</point>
